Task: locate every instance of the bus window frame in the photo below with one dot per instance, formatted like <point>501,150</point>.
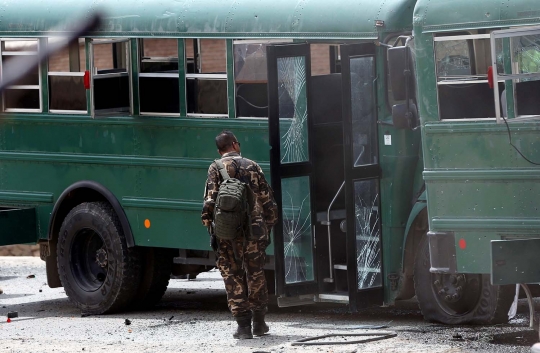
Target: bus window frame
<point>249,42</point>
<point>465,37</point>
<point>129,73</point>
<point>66,74</point>
<point>503,34</point>
<point>37,87</point>
<point>140,58</point>
<point>202,76</point>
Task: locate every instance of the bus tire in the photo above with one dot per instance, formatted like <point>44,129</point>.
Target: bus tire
<point>156,273</point>
<point>459,298</point>
<point>98,271</point>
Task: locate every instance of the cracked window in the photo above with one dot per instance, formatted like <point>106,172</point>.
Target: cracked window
<point>520,71</point>
<point>453,58</point>
<point>526,54</point>
<point>251,79</point>
<point>293,126</point>
<point>362,108</point>
<point>368,233</point>
<point>298,247</point>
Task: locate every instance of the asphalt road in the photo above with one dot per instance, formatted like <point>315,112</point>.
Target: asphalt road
<point>193,317</point>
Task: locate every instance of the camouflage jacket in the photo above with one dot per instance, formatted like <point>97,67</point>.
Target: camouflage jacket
<point>264,213</point>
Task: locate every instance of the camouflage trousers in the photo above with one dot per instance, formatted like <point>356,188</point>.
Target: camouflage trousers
<point>244,280</point>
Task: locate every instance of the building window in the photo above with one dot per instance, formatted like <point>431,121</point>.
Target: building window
<point>25,94</point>
<point>158,77</point>
<point>206,77</point>
<point>67,93</point>
<point>111,87</point>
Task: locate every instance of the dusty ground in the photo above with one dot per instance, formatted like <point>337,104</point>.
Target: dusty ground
<point>193,318</point>
<point>19,250</point>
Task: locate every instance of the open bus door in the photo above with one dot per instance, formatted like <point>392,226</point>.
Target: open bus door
<point>324,168</point>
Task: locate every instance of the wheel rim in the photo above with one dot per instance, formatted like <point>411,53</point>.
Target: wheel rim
<point>457,294</point>
<point>89,260</point>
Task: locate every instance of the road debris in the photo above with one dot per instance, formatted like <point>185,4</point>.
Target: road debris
<point>31,276</point>
<point>457,337</point>
<point>127,322</point>
<point>376,336</point>
<point>12,314</point>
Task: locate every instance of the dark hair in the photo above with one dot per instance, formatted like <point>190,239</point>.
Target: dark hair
<point>224,140</point>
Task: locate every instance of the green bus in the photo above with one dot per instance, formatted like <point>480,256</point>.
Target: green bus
<point>478,79</point>
<point>104,148</point>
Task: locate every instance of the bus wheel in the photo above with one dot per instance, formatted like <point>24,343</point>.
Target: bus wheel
<point>99,273</point>
<point>155,277</point>
<point>459,298</point>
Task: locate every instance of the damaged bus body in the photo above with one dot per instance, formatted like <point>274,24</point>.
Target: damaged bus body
<point>94,145</point>
<point>478,73</point>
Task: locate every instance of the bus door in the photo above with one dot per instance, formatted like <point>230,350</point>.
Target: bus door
<point>324,169</point>
<point>291,163</point>
<point>362,173</point>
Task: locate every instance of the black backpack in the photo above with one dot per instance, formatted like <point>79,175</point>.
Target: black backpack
<point>232,212</point>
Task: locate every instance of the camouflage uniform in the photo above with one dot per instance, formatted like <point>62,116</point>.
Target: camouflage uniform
<point>251,295</point>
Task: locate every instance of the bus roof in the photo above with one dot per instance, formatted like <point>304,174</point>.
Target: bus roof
<point>313,19</point>
<point>444,15</point>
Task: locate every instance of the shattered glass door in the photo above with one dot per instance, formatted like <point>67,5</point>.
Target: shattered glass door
<point>296,205</point>
<point>291,166</point>
<point>362,109</point>
<point>364,152</point>
<point>368,233</point>
<point>292,109</point>
<point>362,172</point>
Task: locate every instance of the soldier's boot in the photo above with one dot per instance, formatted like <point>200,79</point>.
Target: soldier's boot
<point>243,331</point>
<point>259,326</point>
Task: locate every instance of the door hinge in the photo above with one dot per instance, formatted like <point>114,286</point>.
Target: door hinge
<point>393,278</point>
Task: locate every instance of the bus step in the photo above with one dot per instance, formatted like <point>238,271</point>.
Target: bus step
<point>18,225</point>
<point>339,297</point>
<point>335,214</point>
<point>340,267</point>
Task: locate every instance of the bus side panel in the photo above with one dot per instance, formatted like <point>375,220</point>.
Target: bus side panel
<point>156,168</point>
<point>478,197</point>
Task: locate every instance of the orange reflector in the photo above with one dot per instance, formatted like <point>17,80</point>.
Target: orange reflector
<point>462,243</point>
<point>147,223</point>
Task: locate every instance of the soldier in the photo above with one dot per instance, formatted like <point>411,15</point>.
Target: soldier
<point>242,267</point>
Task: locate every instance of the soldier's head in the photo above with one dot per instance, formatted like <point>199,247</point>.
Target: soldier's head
<point>226,142</point>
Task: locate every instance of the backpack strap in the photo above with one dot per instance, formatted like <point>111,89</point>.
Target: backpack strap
<point>222,170</point>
